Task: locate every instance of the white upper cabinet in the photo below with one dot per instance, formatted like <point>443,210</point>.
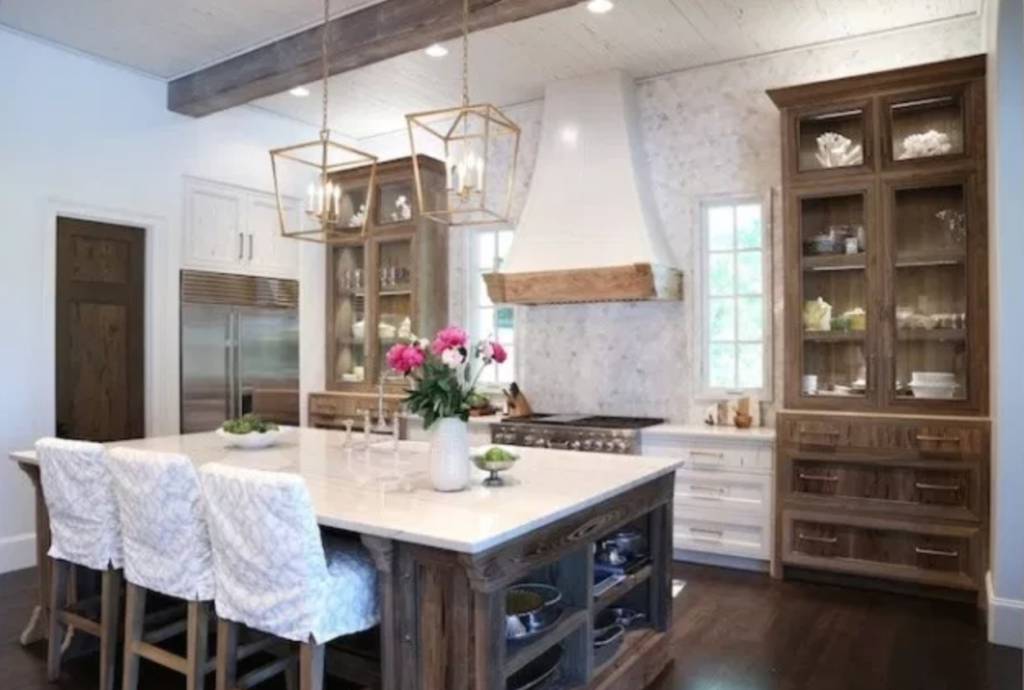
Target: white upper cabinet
<point>268,252</point>
<point>236,230</point>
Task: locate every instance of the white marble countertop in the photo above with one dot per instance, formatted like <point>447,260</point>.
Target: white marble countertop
<point>705,432</point>
<point>360,490</point>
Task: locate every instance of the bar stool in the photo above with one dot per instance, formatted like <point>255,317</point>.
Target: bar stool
<point>84,534</point>
<point>167,551</point>
<point>276,575</point>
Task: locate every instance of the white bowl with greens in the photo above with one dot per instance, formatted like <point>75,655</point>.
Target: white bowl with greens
<point>249,432</point>
<point>493,459</point>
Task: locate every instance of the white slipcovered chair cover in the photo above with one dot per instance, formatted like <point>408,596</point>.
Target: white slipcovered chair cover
<point>80,500</point>
<point>274,572</point>
<point>163,527</point>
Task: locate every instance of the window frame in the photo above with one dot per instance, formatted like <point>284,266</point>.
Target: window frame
<point>474,287</point>
<point>701,312</point>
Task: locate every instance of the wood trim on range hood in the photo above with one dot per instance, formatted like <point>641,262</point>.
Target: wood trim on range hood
<point>629,283</point>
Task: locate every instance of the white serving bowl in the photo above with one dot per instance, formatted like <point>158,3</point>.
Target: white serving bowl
<point>934,391</point>
<point>932,377</point>
<point>252,440</point>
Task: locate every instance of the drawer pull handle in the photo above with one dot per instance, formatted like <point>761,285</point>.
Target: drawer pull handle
<point>922,438</point>
<point>710,493</point>
<point>830,434</point>
<point>706,454</point>
<point>714,535</point>
<point>818,478</point>
<point>818,540</point>
<point>935,552</point>
<point>936,487</point>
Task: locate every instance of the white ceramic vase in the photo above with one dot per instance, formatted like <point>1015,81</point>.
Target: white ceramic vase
<point>449,455</point>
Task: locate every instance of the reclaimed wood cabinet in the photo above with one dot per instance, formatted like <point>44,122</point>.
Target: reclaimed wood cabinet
<point>383,286</point>
<point>883,446</point>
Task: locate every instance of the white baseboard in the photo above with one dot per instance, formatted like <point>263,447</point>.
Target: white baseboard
<point>17,552</point>
<point>720,561</point>
<point>1005,618</point>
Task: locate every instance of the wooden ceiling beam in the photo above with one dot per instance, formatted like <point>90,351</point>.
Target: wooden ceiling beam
<point>378,32</point>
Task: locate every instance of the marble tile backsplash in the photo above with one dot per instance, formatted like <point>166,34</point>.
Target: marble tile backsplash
<point>706,132</point>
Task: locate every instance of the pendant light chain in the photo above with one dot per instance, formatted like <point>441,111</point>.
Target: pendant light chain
<point>323,63</point>
<point>465,53</point>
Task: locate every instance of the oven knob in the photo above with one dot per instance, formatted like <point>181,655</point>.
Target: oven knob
<point>587,444</point>
<point>620,446</point>
<point>576,445</point>
<point>600,445</point>
<point>529,440</point>
<point>540,443</point>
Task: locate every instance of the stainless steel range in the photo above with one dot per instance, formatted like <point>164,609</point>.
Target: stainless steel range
<point>587,433</point>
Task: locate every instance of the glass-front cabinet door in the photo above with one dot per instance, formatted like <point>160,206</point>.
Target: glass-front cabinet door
<point>925,126</point>
<point>929,261</point>
<point>394,285</point>
<point>349,337</point>
<point>834,324</point>
<point>836,140</point>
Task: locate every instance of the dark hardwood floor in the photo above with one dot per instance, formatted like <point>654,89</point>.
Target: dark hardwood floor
<point>734,631</point>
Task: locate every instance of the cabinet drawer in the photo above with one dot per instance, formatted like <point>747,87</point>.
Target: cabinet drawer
<point>710,456</point>
<point>949,490</point>
<point>734,491</point>
<point>903,438</point>
<point>746,537</point>
<point>938,555</point>
<point>816,434</point>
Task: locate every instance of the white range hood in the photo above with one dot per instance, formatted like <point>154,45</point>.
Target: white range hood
<point>589,230</point>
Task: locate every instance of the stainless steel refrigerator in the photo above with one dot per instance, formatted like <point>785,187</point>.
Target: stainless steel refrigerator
<point>239,349</point>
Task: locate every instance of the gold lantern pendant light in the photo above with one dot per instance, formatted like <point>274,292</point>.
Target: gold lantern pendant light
<point>480,148</point>
<point>332,212</point>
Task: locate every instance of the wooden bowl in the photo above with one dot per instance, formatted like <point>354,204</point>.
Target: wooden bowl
<point>743,421</point>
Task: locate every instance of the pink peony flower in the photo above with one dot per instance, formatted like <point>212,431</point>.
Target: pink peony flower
<point>492,352</point>
<point>404,358</point>
<point>448,338</point>
<point>499,354</point>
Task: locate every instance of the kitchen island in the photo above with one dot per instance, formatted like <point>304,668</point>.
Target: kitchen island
<point>445,560</point>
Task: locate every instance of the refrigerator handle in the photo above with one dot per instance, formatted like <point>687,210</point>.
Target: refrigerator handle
<point>238,364</point>
<point>229,366</point>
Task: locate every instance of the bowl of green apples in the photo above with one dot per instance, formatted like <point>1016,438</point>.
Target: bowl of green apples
<point>249,432</point>
<point>494,460</point>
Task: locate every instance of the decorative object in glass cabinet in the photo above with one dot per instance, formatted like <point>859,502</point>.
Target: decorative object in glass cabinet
<point>927,126</point>
<point>395,201</point>
<point>831,140</point>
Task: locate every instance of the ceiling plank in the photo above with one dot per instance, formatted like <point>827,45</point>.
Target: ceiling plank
<point>369,35</point>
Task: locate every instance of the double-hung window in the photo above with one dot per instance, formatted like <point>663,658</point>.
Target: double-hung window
<point>734,296</point>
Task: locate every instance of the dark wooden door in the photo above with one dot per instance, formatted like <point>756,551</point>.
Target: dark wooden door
<point>100,330</point>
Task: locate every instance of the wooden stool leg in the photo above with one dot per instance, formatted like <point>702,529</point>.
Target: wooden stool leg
<point>110,617</point>
<point>227,655</point>
<point>58,600</point>
<point>135,616</point>
<point>311,666</point>
<point>198,640</point>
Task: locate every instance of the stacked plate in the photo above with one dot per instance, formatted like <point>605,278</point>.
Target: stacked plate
<point>936,385</point>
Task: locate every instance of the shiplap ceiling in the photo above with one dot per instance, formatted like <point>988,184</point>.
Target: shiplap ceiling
<point>513,63</point>
<point>166,38</point>
<point>510,64</point>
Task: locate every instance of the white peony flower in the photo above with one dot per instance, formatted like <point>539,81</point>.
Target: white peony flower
<point>452,357</point>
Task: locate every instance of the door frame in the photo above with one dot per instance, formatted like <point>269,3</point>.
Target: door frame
<point>161,298</point>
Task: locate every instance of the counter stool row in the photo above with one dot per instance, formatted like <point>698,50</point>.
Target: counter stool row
<point>246,541</point>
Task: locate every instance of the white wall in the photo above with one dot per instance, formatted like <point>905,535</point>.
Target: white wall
<point>1005,36</point>
<point>80,136</point>
<point>706,131</point>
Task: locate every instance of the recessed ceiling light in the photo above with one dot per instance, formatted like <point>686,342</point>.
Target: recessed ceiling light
<point>299,92</point>
<point>600,6</point>
<point>436,51</point>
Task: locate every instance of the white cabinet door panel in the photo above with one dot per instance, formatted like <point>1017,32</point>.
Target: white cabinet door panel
<point>214,227</point>
<point>267,251</point>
